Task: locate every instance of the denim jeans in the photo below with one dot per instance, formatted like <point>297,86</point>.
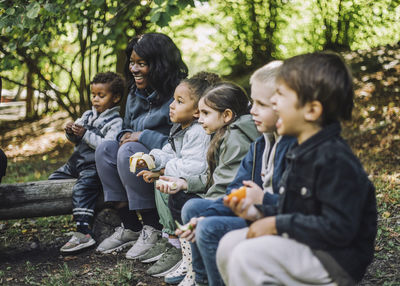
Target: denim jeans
<point>209,231</point>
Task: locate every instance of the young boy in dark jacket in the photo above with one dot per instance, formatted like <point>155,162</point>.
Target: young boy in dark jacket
<point>322,232</point>
<point>101,123</point>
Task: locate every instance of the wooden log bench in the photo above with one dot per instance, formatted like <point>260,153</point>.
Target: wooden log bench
<point>51,198</point>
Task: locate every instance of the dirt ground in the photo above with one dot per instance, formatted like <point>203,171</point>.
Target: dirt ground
<point>29,248</point>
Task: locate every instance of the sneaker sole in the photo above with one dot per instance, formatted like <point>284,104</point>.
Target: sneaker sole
<point>117,249</point>
<point>79,247</point>
<point>174,280</point>
<point>162,274</point>
<point>152,259</point>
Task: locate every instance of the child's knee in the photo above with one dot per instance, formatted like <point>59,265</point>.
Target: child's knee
<point>189,210</point>
<point>228,243</point>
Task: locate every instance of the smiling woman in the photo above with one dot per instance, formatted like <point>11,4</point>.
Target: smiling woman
<point>153,69</point>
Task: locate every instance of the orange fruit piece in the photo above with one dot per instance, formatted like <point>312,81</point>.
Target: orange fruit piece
<point>239,194</point>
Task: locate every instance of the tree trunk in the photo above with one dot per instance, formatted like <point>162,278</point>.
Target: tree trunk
<point>37,199</point>
<point>29,94</point>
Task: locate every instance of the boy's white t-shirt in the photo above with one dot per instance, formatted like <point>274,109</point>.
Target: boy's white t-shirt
<point>267,165</point>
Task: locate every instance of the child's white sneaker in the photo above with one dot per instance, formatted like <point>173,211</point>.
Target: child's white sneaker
<point>119,240</point>
<point>147,239</point>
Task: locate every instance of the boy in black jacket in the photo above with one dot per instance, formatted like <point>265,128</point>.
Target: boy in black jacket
<point>322,232</point>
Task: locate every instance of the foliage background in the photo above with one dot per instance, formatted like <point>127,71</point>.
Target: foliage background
<point>53,48</point>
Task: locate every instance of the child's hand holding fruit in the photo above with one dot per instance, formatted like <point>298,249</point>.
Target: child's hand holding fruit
<point>242,203</point>
<point>171,185</point>
<point>188,231</point>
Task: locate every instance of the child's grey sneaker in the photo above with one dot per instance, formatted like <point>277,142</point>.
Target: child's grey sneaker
<point>119,240</point>
<point>168,262</point>
<point>155,252</point>
<point>147,239</point>
<point>77,242</point>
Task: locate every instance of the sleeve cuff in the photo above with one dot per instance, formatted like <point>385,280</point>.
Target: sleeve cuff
<point>283,224</point>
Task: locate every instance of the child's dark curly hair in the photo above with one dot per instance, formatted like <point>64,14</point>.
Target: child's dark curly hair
<point>166,67</point>
<point>199,83</point>
<point>116,83</point>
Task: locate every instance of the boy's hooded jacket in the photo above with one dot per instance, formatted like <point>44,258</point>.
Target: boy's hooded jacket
<point>99,127</point>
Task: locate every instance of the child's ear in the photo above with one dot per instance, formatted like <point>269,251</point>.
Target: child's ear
<point>313,111</point>
<point>196,113</point>
<point>227,115</point>
<point>116,98</point>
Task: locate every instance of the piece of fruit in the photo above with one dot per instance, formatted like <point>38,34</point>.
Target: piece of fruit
<point>172,185</point>
<point>137,155</point>
<point>239,194</point>
<point>149,161</point>
<point>185,227</point>
<point>133,164</point>
<point>133,160</point>
<point>140,157</point>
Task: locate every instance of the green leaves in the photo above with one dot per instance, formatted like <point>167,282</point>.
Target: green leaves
<point>165,9</point>
<point>33,10</point>
<point>10,11</point>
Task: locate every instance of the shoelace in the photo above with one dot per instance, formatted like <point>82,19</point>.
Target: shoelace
<point>145,235</point>
<point>166,254</point>
<point>118,232</point>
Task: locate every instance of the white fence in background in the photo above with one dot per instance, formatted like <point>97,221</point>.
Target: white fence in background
<point>12,110</point>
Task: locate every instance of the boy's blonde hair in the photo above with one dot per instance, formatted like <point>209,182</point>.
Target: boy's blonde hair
<point>266,74</point>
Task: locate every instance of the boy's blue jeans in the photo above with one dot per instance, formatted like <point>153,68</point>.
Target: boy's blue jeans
<point>209,231</point>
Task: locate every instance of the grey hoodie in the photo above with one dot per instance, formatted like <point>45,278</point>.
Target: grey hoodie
<point>185,155</point>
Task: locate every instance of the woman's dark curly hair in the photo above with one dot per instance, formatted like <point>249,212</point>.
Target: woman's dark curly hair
<point>166,67</point>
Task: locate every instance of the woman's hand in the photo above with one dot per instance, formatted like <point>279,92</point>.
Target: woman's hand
<point>78,130</point>
<point>265,226</point>
<point>180,183</point>
<point>129,137</point>
<point>190,234</point>
<point>149,176</point>
<point>245,208</point>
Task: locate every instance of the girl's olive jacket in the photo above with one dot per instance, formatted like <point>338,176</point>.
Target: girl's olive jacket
<point>234,146</point>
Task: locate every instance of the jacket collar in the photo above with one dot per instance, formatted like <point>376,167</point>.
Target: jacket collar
<point>151,98</point>
<point>327,132</point>
<point>176,130</point>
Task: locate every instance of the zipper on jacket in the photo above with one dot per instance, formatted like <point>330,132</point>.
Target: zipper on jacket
<point>147,115</point>
<point>254,161</point>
